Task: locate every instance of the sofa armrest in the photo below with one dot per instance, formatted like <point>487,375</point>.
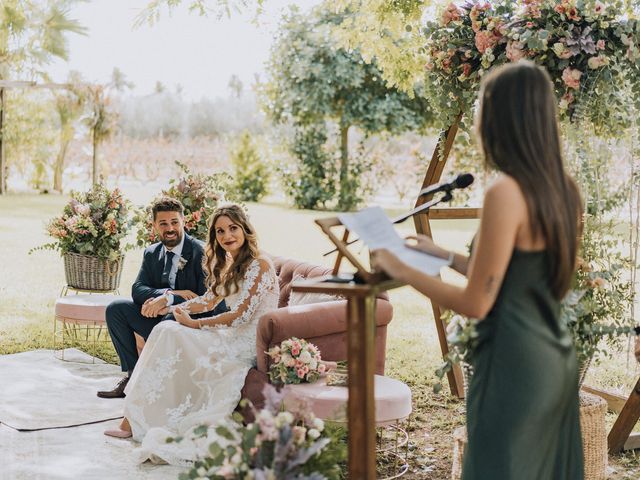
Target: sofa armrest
<point>308,321</point>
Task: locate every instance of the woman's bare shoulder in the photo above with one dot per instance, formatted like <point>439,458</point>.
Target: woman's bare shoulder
<point>504,190</point>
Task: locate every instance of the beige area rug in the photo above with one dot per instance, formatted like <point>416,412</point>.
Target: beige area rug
<point>38,391</point>
<point>74,453</point>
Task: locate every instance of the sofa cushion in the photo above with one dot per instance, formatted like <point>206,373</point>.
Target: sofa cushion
<point>287,269</point>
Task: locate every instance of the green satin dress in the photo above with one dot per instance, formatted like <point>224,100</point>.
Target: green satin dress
<point>523,418</point>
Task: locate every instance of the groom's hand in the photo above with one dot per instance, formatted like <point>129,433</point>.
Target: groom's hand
<point>153,307</point>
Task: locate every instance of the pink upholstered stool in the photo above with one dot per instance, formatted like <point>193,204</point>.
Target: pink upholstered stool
<point>392,398</point>
<point>393,405</point>
<point>75,311</point>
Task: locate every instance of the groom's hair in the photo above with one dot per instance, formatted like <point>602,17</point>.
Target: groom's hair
<point>166,204</point>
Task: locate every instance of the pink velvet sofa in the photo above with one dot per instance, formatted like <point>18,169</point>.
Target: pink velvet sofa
<point>323,324</point>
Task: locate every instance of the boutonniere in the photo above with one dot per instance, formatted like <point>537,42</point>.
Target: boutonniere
<point>181,262</point>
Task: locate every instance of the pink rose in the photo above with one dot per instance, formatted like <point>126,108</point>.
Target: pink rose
<point>450,14</point>
<point>484,40</point>
<point>300,373</point>
<point>571,77</point>
<point>515,51</point>
<point>322,368</point>
<point>295,350</point>
<point>601,45</point>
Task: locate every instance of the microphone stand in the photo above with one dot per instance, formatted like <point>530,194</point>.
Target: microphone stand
<point>447,197</point>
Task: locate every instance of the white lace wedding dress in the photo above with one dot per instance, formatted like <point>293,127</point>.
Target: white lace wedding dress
<point>187,377</point>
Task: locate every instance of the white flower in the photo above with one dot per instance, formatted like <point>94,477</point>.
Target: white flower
<point>314,364</point>
<point>318,423</point>
<point>305,357</point>
<point>284,418</point>
<point>313,433</point>
<point>202,472</point>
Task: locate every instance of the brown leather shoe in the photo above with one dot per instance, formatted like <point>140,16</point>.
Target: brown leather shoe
<point>117,392</point>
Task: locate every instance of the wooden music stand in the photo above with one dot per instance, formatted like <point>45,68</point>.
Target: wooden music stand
<point>361,304</point>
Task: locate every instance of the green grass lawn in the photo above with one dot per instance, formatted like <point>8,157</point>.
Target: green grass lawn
<point>29,285</point>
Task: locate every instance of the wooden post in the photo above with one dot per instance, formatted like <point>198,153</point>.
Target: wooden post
<point>361,409</point>
<point>620,437</point>
<point>434,172</point>
<point>2,144</point>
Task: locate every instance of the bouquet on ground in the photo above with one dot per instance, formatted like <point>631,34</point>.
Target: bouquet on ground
<point>295,361</point>
<point>92,223</point>
<point>277,445</point>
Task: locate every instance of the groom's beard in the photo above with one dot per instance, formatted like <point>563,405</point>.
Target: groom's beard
<point>172,238</point>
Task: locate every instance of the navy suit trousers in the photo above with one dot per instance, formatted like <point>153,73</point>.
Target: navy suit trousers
<point>124,318</point>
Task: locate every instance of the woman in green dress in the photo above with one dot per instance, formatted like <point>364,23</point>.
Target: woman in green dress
<point>522,407</point>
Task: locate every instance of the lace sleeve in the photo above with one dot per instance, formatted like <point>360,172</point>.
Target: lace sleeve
<point>257,282</point>
<point>203,303</point>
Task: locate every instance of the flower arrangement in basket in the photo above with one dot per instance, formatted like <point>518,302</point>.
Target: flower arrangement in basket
<point>277,445</point>
<point>198,193</point>
<point>89,234</point>
<point>295,361</point>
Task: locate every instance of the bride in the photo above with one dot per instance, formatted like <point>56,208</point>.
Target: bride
<point>191,371</point>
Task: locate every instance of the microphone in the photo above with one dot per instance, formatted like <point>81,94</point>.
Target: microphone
<point>461,181</point>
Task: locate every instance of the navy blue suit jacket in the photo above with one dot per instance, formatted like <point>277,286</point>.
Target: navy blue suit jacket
<point>148,284</point>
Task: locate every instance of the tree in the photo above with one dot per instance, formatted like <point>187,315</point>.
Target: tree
<point>69,104</point>
<point>313,79</point>
<point>102,116</point>
<point>151,14</point>
<point>31,33</point>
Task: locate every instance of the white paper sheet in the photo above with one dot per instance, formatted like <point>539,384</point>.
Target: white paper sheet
<point>376,231</point>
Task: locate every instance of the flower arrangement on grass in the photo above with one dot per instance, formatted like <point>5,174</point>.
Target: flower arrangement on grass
<point>584,45</point>
<point>200,194</point>
<point>295,361</point>
<point>92,223</point>
<point>277,445</point>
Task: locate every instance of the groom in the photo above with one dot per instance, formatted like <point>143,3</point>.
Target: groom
<point>171,273</point>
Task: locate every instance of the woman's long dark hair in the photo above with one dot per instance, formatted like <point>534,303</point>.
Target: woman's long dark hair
<point>222,274</point>
<point>518,128</point>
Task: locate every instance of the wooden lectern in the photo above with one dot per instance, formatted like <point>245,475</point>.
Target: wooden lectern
<point>361,301</point>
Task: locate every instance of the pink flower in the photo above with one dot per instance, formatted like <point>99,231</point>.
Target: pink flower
<point>485,40</point>
<point>515,51</point>
<point>295,350</point>
<point>572,14</point>
<point>598,8</point>
<point>466,69</point>
<point>450,14</point>
<point>571,77</point>
<point>300,372</point>
<point>601,45</point>
<point>322,368</point>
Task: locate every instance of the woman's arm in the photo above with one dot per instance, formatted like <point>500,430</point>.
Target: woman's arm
<point>203,303</point>
<point>488,264</point>
<point>423,243</point>
<point>256,283</point>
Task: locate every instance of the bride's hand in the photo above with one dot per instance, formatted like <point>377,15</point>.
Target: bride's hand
<point>183,318</point>
<point>425,244</point>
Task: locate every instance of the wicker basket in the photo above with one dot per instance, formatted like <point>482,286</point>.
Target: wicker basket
<point>594,439</point>
<point>86,272</point>
<point>594,435</point>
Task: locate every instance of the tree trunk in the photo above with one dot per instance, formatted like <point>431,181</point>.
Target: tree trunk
<point>66,135</point>
<point>94,176</point>
<point>343,200</point>
<point>3,179</point>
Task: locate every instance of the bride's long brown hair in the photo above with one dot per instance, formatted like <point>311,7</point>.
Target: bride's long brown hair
<point>224,274</point>
<point>518,127</point>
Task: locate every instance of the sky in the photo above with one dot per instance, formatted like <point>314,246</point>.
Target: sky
<point>198,53</point>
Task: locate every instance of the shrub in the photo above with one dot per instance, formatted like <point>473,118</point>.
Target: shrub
<point>312,182</point>
<point>251,175</point>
